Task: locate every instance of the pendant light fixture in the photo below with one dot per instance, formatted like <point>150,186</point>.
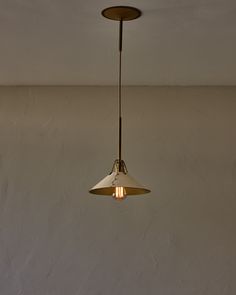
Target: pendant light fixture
<point>119,183</point>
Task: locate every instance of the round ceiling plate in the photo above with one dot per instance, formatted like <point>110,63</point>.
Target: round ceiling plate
<point>123,13</point>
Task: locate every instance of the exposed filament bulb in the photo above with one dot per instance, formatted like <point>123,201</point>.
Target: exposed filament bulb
<point>119,193</point>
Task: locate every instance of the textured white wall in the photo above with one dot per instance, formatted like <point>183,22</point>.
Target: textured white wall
<point>56,239</point>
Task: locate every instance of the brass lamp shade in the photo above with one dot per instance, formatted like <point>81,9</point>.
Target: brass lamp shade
<point>118,178</point>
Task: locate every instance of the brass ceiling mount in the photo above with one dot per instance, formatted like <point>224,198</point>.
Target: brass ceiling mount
<point>121,13</point>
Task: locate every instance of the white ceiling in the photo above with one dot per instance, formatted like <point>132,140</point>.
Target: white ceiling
<point>68,42</point>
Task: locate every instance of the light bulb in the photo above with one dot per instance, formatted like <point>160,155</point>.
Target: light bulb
<point>119,193</point>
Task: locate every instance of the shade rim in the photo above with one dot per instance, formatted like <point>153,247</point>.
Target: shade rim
<point>109,191</point>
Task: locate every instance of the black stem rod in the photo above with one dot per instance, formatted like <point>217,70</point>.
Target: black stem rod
<point>119,90</point>
<point>121,35</point>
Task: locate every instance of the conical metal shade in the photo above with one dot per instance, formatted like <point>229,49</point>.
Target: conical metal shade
<point>119,177</point>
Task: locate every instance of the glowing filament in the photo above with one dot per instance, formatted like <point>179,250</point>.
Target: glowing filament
<point>119,193</point>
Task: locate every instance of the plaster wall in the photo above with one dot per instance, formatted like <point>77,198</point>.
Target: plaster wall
<point>56,239</point>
